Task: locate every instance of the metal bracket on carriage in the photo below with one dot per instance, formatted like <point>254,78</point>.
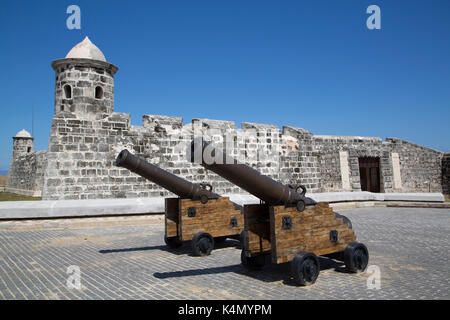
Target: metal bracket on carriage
<point>333,236</point>
<point>191,212</point>
<point>287,222</point>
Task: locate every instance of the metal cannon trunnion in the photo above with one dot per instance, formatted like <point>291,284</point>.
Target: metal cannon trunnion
<point>197,215</point>
<point>287,226</point>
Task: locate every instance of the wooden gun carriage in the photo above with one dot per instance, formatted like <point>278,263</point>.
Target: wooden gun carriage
<point>287,226</point>
<point>197,215</point>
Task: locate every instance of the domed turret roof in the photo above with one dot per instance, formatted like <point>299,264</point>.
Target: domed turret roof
<point>23,134</point>
<point>87,50</point>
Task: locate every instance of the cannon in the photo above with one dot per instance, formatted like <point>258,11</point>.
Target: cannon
<point>198,214</point>
<point>286,226</point>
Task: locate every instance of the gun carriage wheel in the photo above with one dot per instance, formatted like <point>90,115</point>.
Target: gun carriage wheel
<point>202,244</point>
<point>305,268</point>
<point>251,263</point>
<point>173,242</point>
<point>356,257</point>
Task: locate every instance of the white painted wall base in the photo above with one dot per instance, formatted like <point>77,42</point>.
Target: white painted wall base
<point>109,207</point>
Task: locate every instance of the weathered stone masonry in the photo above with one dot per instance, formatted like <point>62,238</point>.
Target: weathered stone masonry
<point>26,172</point>
<point>86,135</point>
<point>446,174</point>
<point>82,152</point>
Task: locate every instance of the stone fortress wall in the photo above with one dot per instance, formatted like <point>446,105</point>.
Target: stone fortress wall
<point>26,174</point>
<point>86,136</point>
<point>82,153</point>
<point>26,171</point>
<point>446,174</point>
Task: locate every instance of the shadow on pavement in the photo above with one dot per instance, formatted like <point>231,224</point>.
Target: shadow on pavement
<point>184,249</point>
<point>269,273</point>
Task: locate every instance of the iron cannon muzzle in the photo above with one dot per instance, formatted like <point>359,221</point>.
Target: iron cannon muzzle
<point>121,158</point>
<point>165,179</point>
<point>263,187</point>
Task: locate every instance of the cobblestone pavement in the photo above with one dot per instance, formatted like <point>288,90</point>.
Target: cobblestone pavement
<point>120,261</point>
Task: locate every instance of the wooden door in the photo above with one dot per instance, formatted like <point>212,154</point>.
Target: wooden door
<point>369,173</point>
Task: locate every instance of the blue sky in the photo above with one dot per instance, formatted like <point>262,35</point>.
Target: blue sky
<point>311,64</point>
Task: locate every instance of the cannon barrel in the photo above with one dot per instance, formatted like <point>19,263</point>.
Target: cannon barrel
<point>167,180</point>
<point>244,176</point>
